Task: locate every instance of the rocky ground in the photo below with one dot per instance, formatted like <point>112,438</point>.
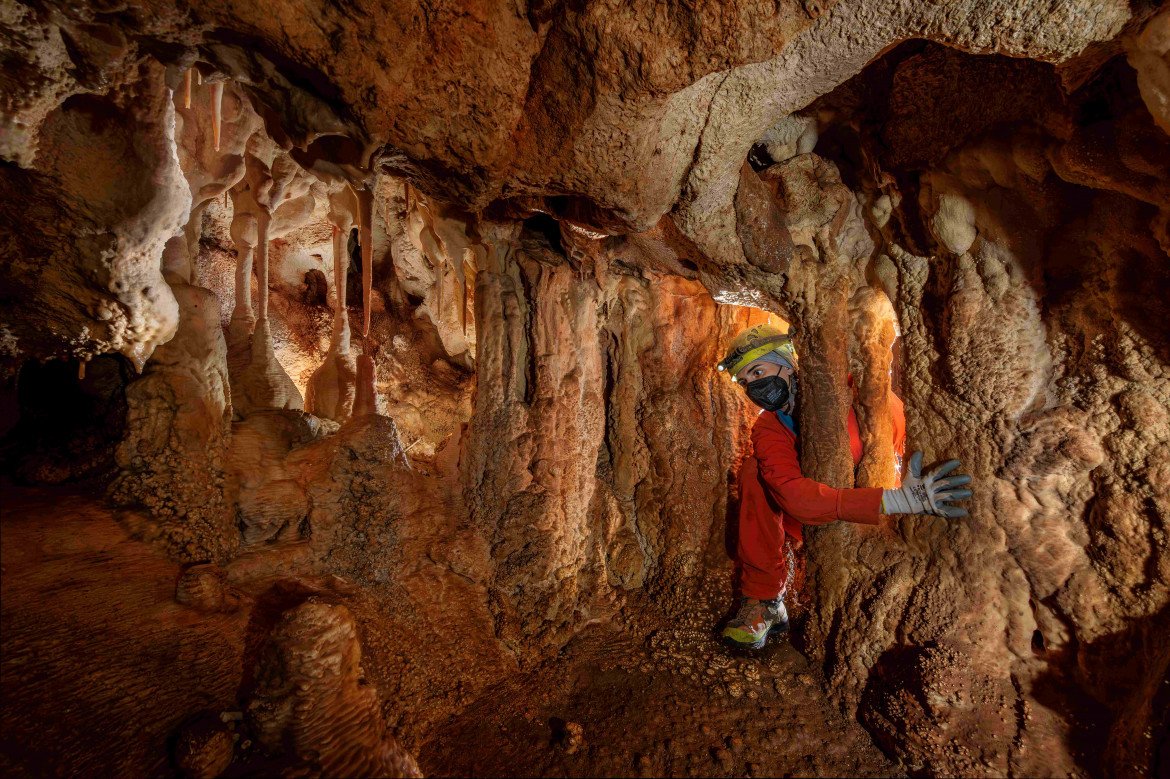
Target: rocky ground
<point>86,612</point>
<point>656,696</point>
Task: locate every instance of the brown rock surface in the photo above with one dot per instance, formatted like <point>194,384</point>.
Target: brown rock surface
<point>92,640</point>
<point>81,270</point>
<point>312,705</point>
<point>497,533</point>
<point>171,458</point>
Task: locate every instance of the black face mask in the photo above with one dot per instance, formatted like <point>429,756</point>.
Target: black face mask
<point>770,393</point>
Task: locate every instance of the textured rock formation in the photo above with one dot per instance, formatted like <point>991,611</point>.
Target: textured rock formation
<point>583,372</point>
<point>204,749</point>
<point>81,261</point>
<point>1146,52</point>
<point>172,455</point>
<point>312,705</point>
<point>1005,367</point>
<point>440,270</point>
<point>555,216</point>
<point>538,396</point>
<point>116,598</point>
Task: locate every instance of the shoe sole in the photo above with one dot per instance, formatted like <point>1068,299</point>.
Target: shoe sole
<point>778,629</point>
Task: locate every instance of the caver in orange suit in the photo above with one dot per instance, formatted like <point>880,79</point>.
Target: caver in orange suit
<point>775,499</point>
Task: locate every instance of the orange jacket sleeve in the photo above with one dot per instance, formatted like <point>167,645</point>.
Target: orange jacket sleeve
<point>805,500</point>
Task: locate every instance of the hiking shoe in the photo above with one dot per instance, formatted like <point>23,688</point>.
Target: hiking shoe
<point>749,629</point>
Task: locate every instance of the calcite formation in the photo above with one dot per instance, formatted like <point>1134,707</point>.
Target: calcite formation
<point>357,374</point>
<point>82,273</point>
<point>310,699</point>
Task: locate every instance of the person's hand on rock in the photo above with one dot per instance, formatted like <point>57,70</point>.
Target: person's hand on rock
<point>929,494</point>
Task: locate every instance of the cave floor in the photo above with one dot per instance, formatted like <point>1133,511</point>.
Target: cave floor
<point>92,636</point>
<point>666,700</point>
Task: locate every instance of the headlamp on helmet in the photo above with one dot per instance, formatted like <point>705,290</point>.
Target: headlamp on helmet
<point>753,344</point>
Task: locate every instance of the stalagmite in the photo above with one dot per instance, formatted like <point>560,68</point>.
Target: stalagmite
<point>216,111</point>
<point>244,230</point>
<point>366,401</point>
<point>263,220</point>
<point>187,89</point>
<point>331,389</point>
<point>243,321</point>
<point>821,343</point>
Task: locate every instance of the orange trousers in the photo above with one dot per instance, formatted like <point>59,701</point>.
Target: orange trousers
<point>762,528</point>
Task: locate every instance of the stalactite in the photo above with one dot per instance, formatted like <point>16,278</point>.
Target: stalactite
<point>216,111</point>
<point>365,199</point>
<point>263,219</point>
<point>244,232</point>
<point>873,334</point>
<point>81,369</point>
<point>187,89</point>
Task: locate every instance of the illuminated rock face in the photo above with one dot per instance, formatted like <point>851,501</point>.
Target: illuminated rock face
<point>81,261</point>
<point>417,334</point>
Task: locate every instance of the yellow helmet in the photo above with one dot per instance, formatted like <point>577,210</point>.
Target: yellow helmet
<point>754,343</point>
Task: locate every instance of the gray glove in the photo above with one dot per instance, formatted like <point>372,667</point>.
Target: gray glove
<point>930,494</point>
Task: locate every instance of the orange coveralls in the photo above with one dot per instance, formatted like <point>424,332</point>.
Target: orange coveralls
<point>775,499</point>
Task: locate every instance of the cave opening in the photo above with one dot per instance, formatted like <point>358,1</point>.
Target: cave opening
<point>63,420</point>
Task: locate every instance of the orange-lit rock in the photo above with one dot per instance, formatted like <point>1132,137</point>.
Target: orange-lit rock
<point>497,533</point>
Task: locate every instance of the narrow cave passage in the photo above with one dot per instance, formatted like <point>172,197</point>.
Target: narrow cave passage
<point>531,390</point>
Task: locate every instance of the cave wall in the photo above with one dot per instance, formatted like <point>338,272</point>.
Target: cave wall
<point>601,445</point>
<point>1025,355</point>
<point>541,282</point>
